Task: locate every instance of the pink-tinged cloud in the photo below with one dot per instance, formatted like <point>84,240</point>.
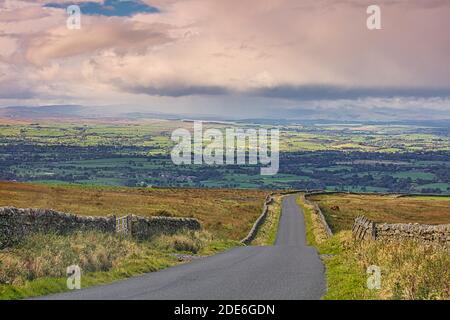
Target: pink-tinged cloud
<point>275,49</point>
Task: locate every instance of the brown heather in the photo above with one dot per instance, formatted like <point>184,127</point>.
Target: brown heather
<point>341,209</point>
<point>410,270</point>
<point>226,213</point>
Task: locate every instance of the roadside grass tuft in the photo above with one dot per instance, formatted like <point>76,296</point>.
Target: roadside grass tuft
<point>131,266</point>
<point>187,241</point>
<point>410,270</point>
<point>47,255</point>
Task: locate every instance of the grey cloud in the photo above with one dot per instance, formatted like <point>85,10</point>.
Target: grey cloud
<point>295,93</point>
<point>12,91</point>
<point>176,91</point>
<point>323,92</point>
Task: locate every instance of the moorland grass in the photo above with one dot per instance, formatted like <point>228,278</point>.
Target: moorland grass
<point>226,213</point>
<point>37,266</point>
<point>341,209</point>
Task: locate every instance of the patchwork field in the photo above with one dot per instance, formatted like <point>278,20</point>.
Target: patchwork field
<point>340,209</point>
<point>226,213</point>
<point>136,153</point>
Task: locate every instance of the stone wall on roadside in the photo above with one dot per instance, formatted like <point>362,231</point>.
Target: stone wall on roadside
<point>146,227</point>
<point>317,211</point>
<point>258,223</point>
<point>364,228</point>
<point>15,224</point>
<point>422,232</point>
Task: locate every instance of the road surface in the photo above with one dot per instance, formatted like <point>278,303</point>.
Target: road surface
<point>288,270</point>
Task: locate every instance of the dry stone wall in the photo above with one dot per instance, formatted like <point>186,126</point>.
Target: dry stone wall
<point>147,227</point>
<point>258,223</point>
<point>16,224</point>
<point>364,229</point>
<point>318,212</point>
<point>422,232</point>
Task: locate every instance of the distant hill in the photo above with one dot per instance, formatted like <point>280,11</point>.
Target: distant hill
<point>56,111</point>
<point>77,111</point>
<point>107,113</point>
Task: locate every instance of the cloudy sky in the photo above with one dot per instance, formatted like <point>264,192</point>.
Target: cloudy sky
<point>235,58</point>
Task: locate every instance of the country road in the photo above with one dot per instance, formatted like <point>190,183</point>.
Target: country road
<point>288,270</point>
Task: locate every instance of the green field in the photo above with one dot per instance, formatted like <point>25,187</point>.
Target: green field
<point>356,157</point>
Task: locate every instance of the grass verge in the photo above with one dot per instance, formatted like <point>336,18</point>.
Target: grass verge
<point>37,266</point>
<point>345,281</point>
<point>409,270</point>
<point>267,233</point>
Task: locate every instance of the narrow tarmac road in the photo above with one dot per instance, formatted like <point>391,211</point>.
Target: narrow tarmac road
<point>288,270</point>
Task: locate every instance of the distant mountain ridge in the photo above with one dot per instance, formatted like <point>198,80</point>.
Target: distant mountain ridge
<point>107,113</point>
<point>22,112</point>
